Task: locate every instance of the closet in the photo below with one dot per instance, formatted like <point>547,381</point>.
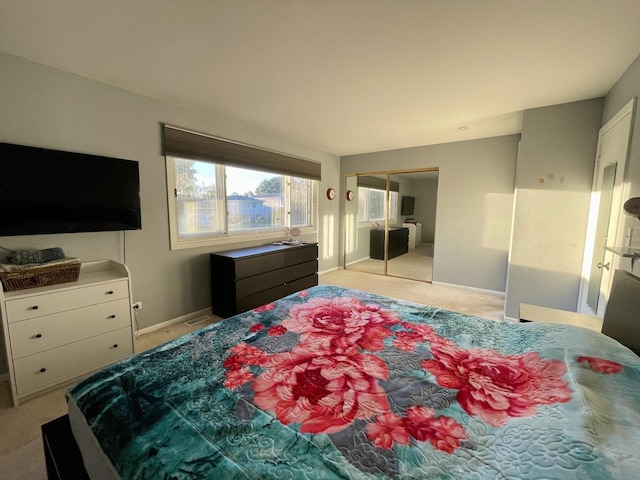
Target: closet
<point>389,223</point>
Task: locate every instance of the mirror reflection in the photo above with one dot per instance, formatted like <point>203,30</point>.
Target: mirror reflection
<point>390,223</point>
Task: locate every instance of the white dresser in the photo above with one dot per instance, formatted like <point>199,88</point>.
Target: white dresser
<point>415,234</point>
<point>58,333</point>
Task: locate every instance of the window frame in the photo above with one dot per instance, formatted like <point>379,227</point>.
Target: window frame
<point>229,237</point>
<point>387,207</point>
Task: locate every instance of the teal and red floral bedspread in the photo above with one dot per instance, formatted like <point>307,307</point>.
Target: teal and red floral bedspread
<point>331,383</point>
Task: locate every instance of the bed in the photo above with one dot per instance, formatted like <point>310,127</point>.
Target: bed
<point>333,383</point>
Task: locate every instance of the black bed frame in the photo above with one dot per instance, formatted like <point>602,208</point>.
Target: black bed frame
<point>61,452</point>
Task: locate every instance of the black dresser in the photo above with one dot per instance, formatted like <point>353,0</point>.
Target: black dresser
<point>398,242</point>
<point>249,277</point>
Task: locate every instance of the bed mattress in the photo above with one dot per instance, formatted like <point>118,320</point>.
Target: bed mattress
<point>332,383</point>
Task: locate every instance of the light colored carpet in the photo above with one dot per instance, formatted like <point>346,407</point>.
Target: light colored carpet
<point>417,264</point>
<point>24,463</point>
<point>471,301</point>
<point>21,425</point>
<point>21,453</point>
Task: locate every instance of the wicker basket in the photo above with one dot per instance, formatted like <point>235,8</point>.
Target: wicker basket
<point>41,275</point>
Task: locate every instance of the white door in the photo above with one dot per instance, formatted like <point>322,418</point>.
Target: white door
<point>605,213</point>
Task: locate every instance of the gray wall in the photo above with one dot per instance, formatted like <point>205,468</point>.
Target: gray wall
<point>474,204</point>
<point>426,207</point>
<point>627,88</point>
<point>553,188</point>
<point>45,107</point>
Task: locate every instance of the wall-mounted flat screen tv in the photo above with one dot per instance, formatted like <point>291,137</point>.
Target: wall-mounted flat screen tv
<point>51,191</point>
<point>407,205</point>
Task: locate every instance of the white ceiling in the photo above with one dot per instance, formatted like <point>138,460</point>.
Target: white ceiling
<point>341,76</point>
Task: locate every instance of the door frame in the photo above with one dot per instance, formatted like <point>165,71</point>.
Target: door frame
<point>616,217</point>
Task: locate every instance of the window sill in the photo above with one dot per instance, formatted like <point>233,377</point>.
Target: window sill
<point>228,239</point>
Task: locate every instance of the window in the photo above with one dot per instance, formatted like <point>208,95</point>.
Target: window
<point>214,204</point>
<point>371,205</point>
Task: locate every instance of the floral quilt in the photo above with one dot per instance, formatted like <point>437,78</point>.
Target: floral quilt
<point>332,383</point>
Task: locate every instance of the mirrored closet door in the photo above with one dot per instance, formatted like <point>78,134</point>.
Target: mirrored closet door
<point>390,223</point>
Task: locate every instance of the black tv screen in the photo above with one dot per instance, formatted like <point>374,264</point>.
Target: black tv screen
<point>51,191</point>
<point>407,205</point>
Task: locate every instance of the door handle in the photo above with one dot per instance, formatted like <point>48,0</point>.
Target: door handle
<point>605,265</point>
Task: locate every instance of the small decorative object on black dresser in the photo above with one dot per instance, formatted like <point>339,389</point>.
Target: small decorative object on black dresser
<point>398,242</point>
<point>250,277</point>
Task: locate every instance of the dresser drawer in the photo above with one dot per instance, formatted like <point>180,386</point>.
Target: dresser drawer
<point>258,283</point>
<point>248,267</point>
<point>301,284</point>
<point>36,372</point>
<point>48,303</point>
<point>43,333</point>
<point>301,270</point>
<point>260,298</point>
<point>300,255</point>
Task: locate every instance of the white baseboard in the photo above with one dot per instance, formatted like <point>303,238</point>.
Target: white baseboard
<point>358,261</point>
<point>173,321</point>
<point>330,270</point>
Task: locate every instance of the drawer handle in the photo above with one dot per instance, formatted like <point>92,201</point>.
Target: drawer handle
<point>38,335</point>
<point>35,307</point>
<point>42,370</point>
<point>112,316</point>
<point>110,292</point>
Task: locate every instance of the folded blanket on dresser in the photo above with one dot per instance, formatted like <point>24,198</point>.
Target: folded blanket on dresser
<point>14,268</point>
